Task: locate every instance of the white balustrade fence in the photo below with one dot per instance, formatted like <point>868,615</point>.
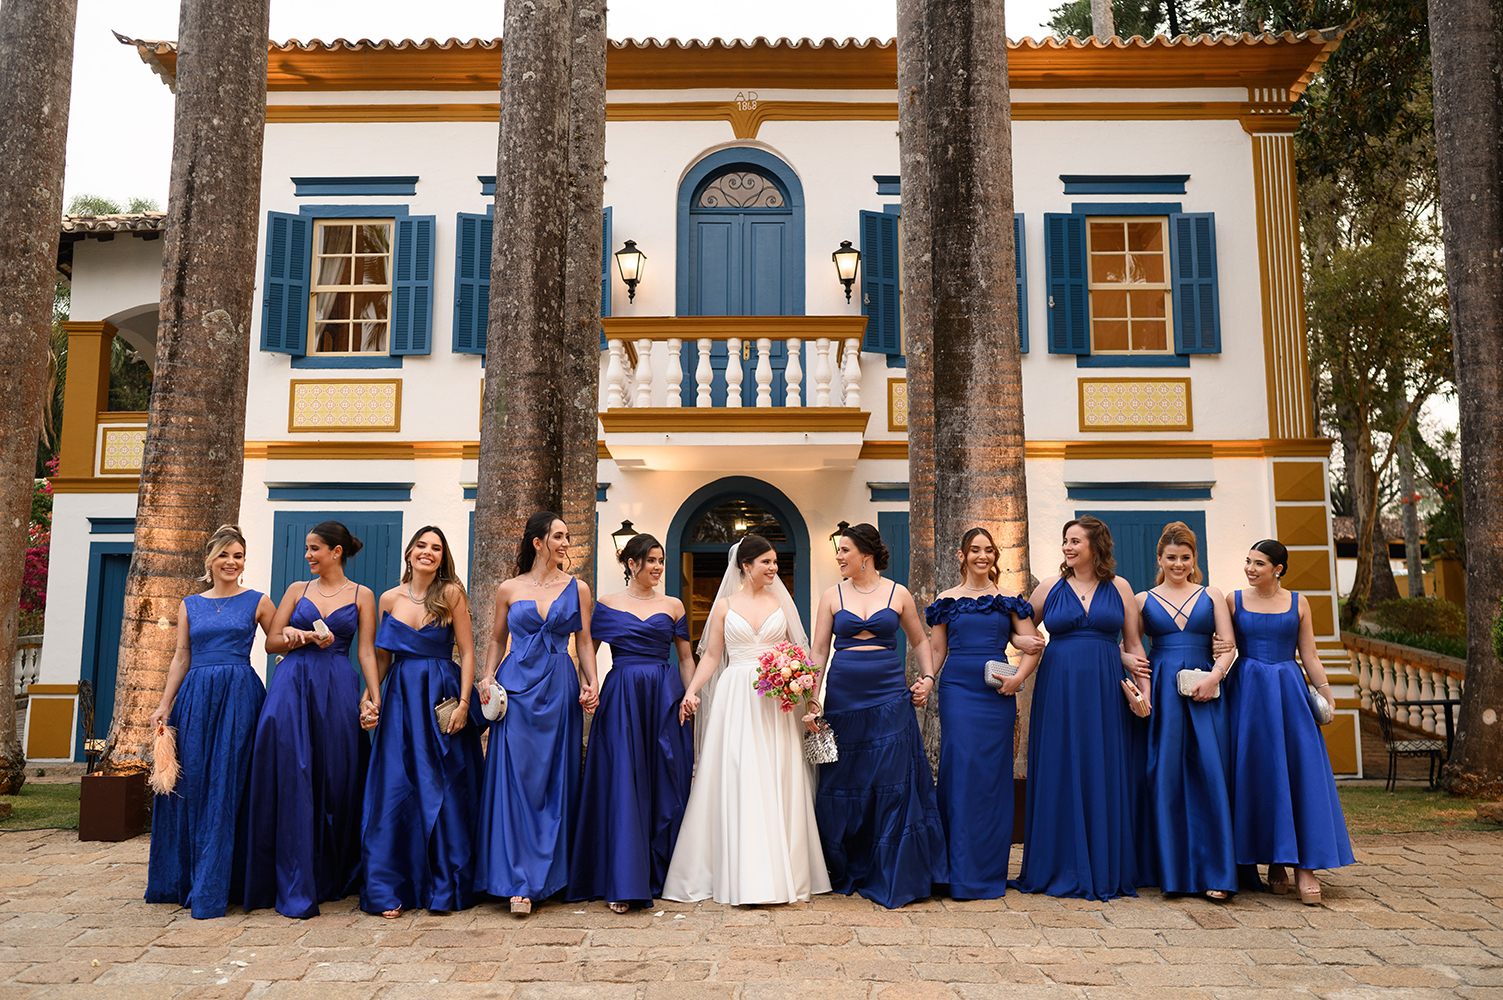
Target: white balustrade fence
<point>657,377</point>
<point>28,662</point>
<point>1405,674</point>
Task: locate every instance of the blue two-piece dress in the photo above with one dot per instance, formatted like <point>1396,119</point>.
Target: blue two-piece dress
<point>977,725</point>
<point>1189,754</point>
<point>1285,808</point>
<point>418,844</point>
<point>308,774</point>
<point>198,832</point>
<point>878,819</point>
<point>1080,807</point>
<point>639,765</point>
<point>529,800</point>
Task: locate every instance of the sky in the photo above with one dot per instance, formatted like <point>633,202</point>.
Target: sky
<point>120,122</point>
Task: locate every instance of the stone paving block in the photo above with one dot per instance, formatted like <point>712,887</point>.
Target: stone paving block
<point>1082,974</point>
<point>1334,956</point>
<point>340,972</point>
<point>736,971</point>
<point>320,991</point>
<point>1017,972</point>
<point>926,953</point>
<point>1213,918</point>
<point>1113,937</point>
<point>544,954</point>
<point>1120,956</point>
<point>1388,975</point>
<point>913,991</point>
<point>1070,937</point>
<point>446,991</point>
<point>1017,991</point>
<point>947,973</point>
<point>812,969</point>
<point>1045,956</point>
<point>1183,975</point>
<point>952,937</point>
<point>1316,977</point>
<point>61,972</point>
<point>475,972</point>
<point>829,934</point>
<point>623,972</point>
<point>414,972</point>
<point>878,969</point>
<point>523,972</point>
<point>796,917</point>
<point>1382,993</point>
<point>803,989</point>
<point>135,991</point>
<point>870,936</point>
<point>689,991</point>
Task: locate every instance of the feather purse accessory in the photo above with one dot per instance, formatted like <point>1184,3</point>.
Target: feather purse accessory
<point>165,768</point>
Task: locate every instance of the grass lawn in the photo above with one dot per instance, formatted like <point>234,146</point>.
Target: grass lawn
<point>42,807</point>
<point>1408,810</point>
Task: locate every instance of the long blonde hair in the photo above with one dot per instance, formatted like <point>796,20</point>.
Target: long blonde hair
<point>1179,533</point>
<point>436,601</point>
<point>224,536</point>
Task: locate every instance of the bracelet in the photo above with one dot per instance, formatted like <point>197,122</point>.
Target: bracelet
<point>927,677</point>
<point>1319,686</point>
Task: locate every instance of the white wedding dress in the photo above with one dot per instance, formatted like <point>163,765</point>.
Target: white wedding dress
<point>748,834</point>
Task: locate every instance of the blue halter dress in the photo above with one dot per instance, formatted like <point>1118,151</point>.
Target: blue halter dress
<point>198,832</point>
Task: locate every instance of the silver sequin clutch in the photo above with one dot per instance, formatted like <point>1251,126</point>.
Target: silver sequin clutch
<point>1187,679</point>
<point>819,746</point>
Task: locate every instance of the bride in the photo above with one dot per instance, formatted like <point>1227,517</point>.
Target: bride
<point>748,834</point>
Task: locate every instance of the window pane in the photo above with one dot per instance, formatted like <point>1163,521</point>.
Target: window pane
<point>1109,304</point>
<point>1146,305</point>
<point>1108,268</point>
<point>372,336</point>
<point>331,305</point>
<point>1148,268</point>
<point>370,305</point>
<point>374,239</point>
<point>1106,236</point>
<point>1109,335</point>
<point>333,271</point>
<point>1145,236</point>
<point>1149,335</point>
<point>333,338</point>
<point>370,271</point>
<point>336,238</point>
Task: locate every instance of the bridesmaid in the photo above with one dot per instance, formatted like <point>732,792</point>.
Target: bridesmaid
<point>1189,737</point>
<point>1081,805</point>
<point>641,759</point>
<point>529,801</point>
<point>969,625</point>
<point>878,819</point>
<point>418,846</point>
<point>1286,809</point>
<point>308,769</point>
<point>212,699</point>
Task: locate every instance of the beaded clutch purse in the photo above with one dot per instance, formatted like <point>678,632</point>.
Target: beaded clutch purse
<point>444,710</point>
<point>819,746</point>
<point>1187,679</point>
<point>494,707</point>
<point>997,671</point>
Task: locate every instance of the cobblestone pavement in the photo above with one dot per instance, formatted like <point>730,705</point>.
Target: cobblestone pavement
<point>1418,919</point>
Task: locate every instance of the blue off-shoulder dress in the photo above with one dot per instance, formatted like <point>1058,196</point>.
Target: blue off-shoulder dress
<point>639,765</point>
<point>878,818</point>
<point>198,832</point>
<point>975,742</point>
<point>1080,808</point>
<point>529,801</point>
<point>418,844</point>
<point>1189,754</point>
<point>1285,808</point>
<point>308,774</point>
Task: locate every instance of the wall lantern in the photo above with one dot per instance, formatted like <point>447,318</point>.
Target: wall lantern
<point>846,259</point>
<point>835,535</point>
<point>622,535</point>
<point>630,261</point>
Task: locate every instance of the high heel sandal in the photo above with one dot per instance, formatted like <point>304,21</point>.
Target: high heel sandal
<point>1278,886</point>
<point>1309,894</point>
<point>619,907</point>
<point>521,905</point>
<point>1218,895</point>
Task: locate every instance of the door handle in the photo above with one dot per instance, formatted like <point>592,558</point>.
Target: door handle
<point>746,350</point>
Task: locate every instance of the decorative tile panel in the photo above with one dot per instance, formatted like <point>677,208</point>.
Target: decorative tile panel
<point>120,450</point>
<point>1135,404</point>
<point>345,405</point>
<point>897,404</point>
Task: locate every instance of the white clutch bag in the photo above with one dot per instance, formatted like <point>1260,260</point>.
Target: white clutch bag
<point>1186,680</point>
<point>494,707</point>
<point>997,671</point>
<point>1320,707</point>
<point>320,629</point>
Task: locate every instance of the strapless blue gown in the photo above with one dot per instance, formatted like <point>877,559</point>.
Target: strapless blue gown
<point>529,802</point>
<point>878,818</point>
<point>639,765</point>
<point>198,832</point>
<point>1285,809</point>
<point>308,775</point>
<point>1189,755</point>
<point>418,842</point>
<point>1079,810</point>
<point>975,742</point>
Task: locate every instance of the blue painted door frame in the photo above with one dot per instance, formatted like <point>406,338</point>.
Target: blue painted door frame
<point>1135,540</point>
<point>104,613</point>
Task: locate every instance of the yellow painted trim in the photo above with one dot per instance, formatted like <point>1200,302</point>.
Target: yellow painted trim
<point>95,484</point>
<point>398,451</point>
<point>49,725</point>
<point>601,451</point>
<point>52,689</point>
<point>817,419</point>
<point>1341,744</point>
<point>85,396</point>
<point>1281,286</point>
<point>630,328</point>
<point>1080,391</point>
<point>884,449</point>
<point>137,417</point>
<point>1259,124</point>
<point>395,427</point>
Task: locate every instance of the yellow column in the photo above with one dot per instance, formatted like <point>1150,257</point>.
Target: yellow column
<point>85,395</point>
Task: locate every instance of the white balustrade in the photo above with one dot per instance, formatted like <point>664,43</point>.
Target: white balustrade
<point>675,372</point>
<point>822,372</point>
<point>733,372</point>
<point>764,371</point>
<point>643,396</point>
<point>27,665</point>
<point>1404,680</point>
<point>704,374</point>
<point>615,376</point>
<point>834,369</point>
<point>851,373</point>
<point>793,374</point>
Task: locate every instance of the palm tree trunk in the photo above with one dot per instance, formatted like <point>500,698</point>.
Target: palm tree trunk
<point>36,59</point>
<point>1466,38</point>
<point>192,466</point>
<point>1410,504</point>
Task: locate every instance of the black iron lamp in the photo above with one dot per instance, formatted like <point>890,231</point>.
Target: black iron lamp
<point>846,259</point>
<point>630,262</point>
<point>622,535</point>
<point>835,535</point>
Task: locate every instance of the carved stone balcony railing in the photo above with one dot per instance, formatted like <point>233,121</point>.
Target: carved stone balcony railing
<point>1406,674</point>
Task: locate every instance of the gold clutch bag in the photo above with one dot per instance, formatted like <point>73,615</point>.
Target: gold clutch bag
<point>444,710</point>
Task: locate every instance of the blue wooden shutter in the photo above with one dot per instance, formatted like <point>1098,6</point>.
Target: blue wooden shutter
<point>472,281</point>
<point>605,271</point>
<point>892,525</point>
<point>1065,282</point>
<point>284,283</point>
<point>412,286</point>
<point>1020,267</point>
<point>1197,304</point>
<point>879,282</point>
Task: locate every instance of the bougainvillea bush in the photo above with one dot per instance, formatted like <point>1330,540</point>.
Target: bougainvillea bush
<point>34,576</point>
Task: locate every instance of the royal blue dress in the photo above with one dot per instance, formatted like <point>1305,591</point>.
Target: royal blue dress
<point>1080,807</point>
<point>1189,754</point>
<point>308,774</point>
<point>1285,808</point>
<point>639,765</point>
<point>418,829</point>
<point>975,742</point>
<point>198,832</point>
<point>529,802</point>
<point>878,818</point>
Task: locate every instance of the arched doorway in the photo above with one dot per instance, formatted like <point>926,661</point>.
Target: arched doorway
<point>711,520</point>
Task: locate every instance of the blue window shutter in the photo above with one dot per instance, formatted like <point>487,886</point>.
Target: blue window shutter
<point>472,281</point>
<point>1065,281</point>
<point>1020,264</point>
<point>879,282</point>
<point>1197,303</point>
<point>605,271</point>
<point>284,284</point>
<point>412,286</point>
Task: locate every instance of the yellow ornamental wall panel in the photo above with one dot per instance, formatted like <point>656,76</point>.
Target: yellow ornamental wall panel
<point>897,404</point>
<point>120,450</point>
<point>345,405</point>
<point>1135,404</point>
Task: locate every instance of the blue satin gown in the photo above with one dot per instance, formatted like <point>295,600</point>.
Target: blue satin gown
<point>1080,808</point>
<point>418,843</point>
<point>1285,808</point>
<point>529,802</point>
<point>639,765</point>
<point>1189,754</point>
<point>308,775</point>
<point>198,832</point>
<point>976,742</point>
<point>878,818</point>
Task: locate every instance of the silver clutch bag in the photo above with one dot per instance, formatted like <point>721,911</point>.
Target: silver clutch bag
<point>495,707</point>
<point>1187,679</point>
<point>1320,707</point>
<point>998,671</point>
<point>819,746</point>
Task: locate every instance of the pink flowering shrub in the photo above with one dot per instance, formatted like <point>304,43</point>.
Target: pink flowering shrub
<point>34,573</point>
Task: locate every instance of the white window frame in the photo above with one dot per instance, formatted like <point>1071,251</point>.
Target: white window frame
<point>315,289</point>
<point>1092,287</point>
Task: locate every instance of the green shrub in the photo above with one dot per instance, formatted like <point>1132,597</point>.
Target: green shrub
<point>1445,645</point>
<point>1421,615</point>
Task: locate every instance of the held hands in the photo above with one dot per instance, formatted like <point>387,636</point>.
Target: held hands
<point>1136,665</point>
<point>1135,699</point>
<point>589,698</point>
<point>921,689</point>
<point>370,711</point>
<point>687,708</point>
<point>811,720</point>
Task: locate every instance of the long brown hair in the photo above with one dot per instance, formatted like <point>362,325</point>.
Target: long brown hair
<point>436,601</point>
<point>1100,538</point>
<point>995,572</point>
<point>1179,533</point>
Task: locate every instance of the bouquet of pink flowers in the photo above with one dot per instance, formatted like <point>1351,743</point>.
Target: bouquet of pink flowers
<point>786,675</point>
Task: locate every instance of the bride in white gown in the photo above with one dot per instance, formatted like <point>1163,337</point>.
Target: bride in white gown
<point>748,834</point>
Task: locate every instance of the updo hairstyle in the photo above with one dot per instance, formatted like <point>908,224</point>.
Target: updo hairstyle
<point>224,536</point>
<point>337,535</point>
<point>1277,554</point>
<point>1179,533</point>
<point>636,550</point>
<point>994,573</point>
<point>537,529</point>
<point>868,542</point>
<point>752,548</point>
<point>1100,538</point>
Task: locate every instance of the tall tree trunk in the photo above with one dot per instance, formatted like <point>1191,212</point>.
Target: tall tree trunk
<point>1466,39</point>
<point>1409,505</point>
<point>1103,25</point>
<point>192,466</point>
<point>1384,586</point>
<point>1364,509</point>
<point>580,397</point>
<point>520,462</point>
<point>36,60</point>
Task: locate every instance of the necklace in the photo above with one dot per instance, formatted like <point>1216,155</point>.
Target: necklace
<point>652,595</point>
<point>969,587</point>
<point>218,604</point>
<point>545,583</point>
<point>1087,595</point>
<point>1266,597</point>
<point>413,598</point>
<point>321,589</point>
